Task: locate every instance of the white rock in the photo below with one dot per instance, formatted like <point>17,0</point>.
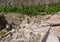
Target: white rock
<point>52,38</point>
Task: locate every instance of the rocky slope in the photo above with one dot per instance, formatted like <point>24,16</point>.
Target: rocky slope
<point>31,28</point>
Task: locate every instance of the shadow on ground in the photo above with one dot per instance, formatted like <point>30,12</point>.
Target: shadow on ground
<point>3,22</point>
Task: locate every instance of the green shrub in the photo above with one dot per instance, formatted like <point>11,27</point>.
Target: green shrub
<point>1,9</point>
<point>54,7</point>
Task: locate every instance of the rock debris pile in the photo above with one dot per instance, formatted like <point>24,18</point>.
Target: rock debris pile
<point>23,28</point>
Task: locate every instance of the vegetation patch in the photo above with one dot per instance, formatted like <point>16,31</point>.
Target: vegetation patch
<point>32,10</point>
